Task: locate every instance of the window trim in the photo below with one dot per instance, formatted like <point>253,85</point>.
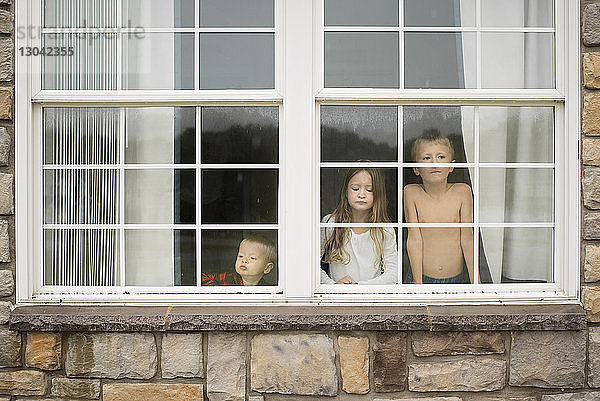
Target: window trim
<point>300,97</point>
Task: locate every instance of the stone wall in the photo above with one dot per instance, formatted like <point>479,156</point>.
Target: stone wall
<point>487,361</point>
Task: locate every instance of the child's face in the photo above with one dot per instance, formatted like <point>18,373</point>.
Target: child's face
<point>433,152</point>
<point>360,192</point>
<point>251,261</point>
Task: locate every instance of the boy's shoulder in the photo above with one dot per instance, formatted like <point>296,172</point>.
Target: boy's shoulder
<point>461,188</point>
<point>413,188</point>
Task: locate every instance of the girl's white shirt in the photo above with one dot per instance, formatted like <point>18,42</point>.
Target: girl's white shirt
<point>363,266</point>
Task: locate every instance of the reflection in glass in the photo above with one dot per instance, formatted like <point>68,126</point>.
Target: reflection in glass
<point>239,196</point>
<point>80,13</point>
<point>516,134</point>
<point>240,135</point>
<point>220,249</point>
<point>158,13</point>
<point>160,196</point>
<point>237,61</point>
<point>74,257</point>
<point>160,258</point>
<point>237,13</point>
<point>158,61</point>
<point>350,133</point>
<point>160,135</point>
<point>519,254</point>
<point>517,13</point>
<point>332,180</point>
<point>439,13</point>
<point>81,135</point>
<point>457,123</point>
<point>445,60</point>
<point>517,60</point>
<point>516,195</point>
<point>93,65</point>
<point>361,13</point>
<point>81,196</point>
<point>361,59</point>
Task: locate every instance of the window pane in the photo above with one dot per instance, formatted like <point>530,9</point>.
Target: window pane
<point>240,134</point>
<point>93,65</point>
<point>522,13</point>
<point>361,13</point>
<point>158,13</point>
<point>517,60</point>
<point>332,180</point>
<point>439,12</point>
<point>440,60</point>
<point>361,59</point>
<point>457,123</point>
<point>81,257</point>
<point>237,61</point>
<point>81,196</point>
<point>81,135</point>
<point>160,135</point>
<point>158,61</point>
<point>237,13</point>
<point>516,134</point>
<point>219,256</point>
<point>519,254</point>
<point>80,13</point>
<point>351,133</point>
<point>239,196</point>
<point>160,196</point>
<point>516,195</point>
<point>160,258</point>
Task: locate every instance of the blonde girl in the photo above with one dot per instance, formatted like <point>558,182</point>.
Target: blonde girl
<point>359,255</point>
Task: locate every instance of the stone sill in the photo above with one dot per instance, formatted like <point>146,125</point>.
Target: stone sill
<point>196,318</point>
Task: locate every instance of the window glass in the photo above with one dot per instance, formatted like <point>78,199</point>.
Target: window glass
<point>158,13</point>
<point>439,12</point>
<point>361,13</point>
<point>80,13</point>
<point>517,13</point>
<point>237,13</point>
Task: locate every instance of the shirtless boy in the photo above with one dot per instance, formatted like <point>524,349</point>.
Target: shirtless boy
<point>436,254</point>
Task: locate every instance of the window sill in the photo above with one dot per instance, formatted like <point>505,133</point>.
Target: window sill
<point>196,318</point>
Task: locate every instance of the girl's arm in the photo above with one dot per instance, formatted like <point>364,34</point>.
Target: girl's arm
<point>414,242</point>
<point>466,233</point>
<point>325,279</point>
<point>390,260</point>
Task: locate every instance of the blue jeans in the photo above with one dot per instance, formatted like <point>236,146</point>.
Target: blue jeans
<point>462,278</point>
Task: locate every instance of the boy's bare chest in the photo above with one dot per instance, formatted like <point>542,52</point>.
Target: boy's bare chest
<point>443,210</point>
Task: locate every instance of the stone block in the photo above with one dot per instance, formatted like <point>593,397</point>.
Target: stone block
<point>466,374</point>
<point>111,355</point>
<point>4,242</point>
<point>548,359</point>
<point>5,308</point>
<point>256,398</point>
<point>6,59</point>
<point>43,351</point>
<point>5,141</point>
<point>299,364</point>
<point>354,364</point>
<point>7,194</point>
<point>7,21</point>
<point>591,70</point>
<point>6,103</point>
<point>10,348</point>
<point>23,382</point>
<point>226,366</point>
<point>507,398</point>
<point>590,296</point>
<point>591,114</point>
<point>152,392</point>
<point>593,378</point>
<point>591,25</point>
<point>6,283</point>
<point>591,151</point>
<point>591,225</point>
<point>591,396</point>
<point>389,362</point>
<point>181,355</point>
<point>425,343</point>
<point>592,263</point>
<point>420,399</point>
<point>591,187</point>
<point>75,388</point>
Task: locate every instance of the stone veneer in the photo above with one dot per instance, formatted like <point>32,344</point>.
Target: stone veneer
<point>418,354</point>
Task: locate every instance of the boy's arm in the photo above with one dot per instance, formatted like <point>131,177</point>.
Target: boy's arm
<point>414,242</point>
<point>466,233</point>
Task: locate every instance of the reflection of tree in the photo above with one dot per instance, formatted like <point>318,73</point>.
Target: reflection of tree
<point>251,143</point>
<point>349,146</point>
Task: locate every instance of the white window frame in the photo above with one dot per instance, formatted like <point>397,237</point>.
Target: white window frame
<point>299,92</point>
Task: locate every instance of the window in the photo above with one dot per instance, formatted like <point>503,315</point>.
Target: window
<point>204,150</point>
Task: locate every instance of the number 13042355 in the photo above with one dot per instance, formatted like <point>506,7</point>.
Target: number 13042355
<point>47,51</point>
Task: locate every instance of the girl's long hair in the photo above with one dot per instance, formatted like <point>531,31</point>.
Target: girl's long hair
<point>335,244</point>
